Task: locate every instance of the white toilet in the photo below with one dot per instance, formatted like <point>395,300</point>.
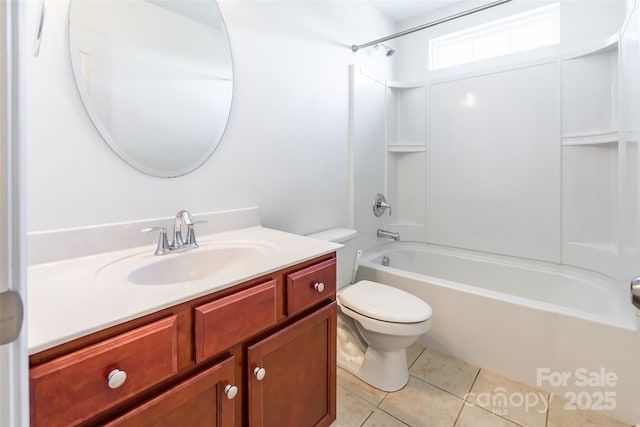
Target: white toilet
<point>376,323</point>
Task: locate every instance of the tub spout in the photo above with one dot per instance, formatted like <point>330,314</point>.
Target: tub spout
<point>388,234</point>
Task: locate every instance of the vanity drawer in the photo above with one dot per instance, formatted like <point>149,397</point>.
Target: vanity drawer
<point>311,285</point>
<point>227,321</point>
<point>75,387</point>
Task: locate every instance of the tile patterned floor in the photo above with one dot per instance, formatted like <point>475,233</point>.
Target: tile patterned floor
<point>447,392</point>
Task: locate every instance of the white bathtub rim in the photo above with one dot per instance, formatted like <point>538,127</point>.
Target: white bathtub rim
<point>625,317</point>
<point>505,260</point>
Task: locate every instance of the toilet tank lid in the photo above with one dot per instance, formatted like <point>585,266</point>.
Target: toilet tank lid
<point>336,235</point>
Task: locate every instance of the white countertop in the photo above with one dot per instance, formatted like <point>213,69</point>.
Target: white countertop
<point>75,297</point>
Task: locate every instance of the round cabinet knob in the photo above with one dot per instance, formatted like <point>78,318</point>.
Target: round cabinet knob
<point>259,373</point>
<point>116,378</point>
<point>230,391</point>
<point>319,286</point>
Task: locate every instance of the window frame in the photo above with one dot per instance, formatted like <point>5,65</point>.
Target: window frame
<point>545,14</point>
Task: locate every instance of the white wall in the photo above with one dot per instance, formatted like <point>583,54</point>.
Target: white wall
<point>285,148</point>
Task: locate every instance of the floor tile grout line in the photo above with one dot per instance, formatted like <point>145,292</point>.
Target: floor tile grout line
<point>368,416</point>
<point>373,406</point>
<point>448,392</point>
<point>374,403</point>
<point>464,400</point>
<point>386,393</point>
<point>380,403</point>
<point>459,413</point>
<point>394,417</point>
<point>497,415</point>
<point>438,387</point>
<point>493,413</point>
<point>464,403</point>
<point>416,359</point>
<point>546,420</point>
<point>356,396</point>
<point>474,382</point>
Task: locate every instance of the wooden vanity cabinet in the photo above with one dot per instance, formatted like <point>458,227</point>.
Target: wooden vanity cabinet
<point>194,364</point>
<point>292,374</point>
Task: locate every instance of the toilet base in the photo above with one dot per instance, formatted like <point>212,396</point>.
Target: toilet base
<point>384,370</point>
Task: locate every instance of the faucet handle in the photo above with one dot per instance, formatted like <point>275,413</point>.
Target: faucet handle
<point>186,217</point>
<point>191,234</point>
<point>163,243</point>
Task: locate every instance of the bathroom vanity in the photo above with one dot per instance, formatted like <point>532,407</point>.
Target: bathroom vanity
<point>258,351</point>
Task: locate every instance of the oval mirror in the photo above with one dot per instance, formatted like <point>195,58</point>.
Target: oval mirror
<point>155,77</point>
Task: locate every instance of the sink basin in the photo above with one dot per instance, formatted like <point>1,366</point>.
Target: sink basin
<point>211,259</point>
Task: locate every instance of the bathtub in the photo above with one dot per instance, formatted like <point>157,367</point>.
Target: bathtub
<point>532,321</point>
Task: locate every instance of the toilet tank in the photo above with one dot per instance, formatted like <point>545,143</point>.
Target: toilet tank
<point>346,255</point>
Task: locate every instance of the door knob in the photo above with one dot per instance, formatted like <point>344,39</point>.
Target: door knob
<point>11,316</point>
<point>635,292</point>
<point>319,287</point>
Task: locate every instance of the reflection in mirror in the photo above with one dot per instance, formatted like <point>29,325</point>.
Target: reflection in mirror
<point>156,78</point>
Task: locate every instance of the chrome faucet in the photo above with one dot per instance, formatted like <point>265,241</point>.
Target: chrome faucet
<point>178,243</point>
<point>388,234</point>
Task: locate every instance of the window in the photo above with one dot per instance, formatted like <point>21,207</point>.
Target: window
<point>529,30</point>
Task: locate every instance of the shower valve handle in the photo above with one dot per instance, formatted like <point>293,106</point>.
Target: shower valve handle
<point>380,204</point>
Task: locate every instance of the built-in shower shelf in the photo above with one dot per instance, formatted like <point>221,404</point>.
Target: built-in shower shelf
<point>602,247</point>
<point>608,44</point>
<point>405,85</point>
<point>590,138</point>
<point>407,148</point>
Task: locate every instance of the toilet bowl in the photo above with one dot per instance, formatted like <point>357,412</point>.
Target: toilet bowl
<point>376,322</point>
<point>387,321</point>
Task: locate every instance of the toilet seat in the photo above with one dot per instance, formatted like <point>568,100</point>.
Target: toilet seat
<point>380,302</point>
<point>387,328</point>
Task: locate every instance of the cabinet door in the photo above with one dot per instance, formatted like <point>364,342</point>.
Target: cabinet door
<point>199,401</point>
<point>298,385</point>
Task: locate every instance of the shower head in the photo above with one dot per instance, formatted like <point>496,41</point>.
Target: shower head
<point>389,51</point>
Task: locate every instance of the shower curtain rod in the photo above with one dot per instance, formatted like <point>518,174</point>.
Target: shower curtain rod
<point>355,48</point>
